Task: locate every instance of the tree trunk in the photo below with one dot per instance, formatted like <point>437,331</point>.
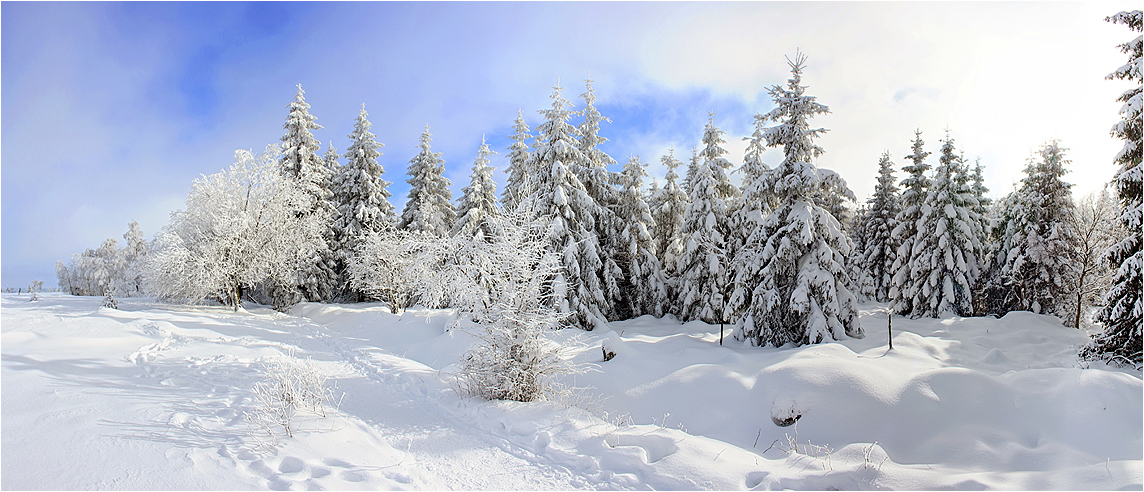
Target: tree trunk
<point>236,299</point>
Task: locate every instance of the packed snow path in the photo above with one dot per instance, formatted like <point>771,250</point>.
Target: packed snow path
<point>151,396</point>
<point>173,403</point>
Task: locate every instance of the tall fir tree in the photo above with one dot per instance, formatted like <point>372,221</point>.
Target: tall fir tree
<point>299,147</point>
<point>478,202</point>
<point>429,208</point>
<point>671,208</point>
<point>362,196</point>
<point>600,183</point>
<point>692,169</point>
<point>561,198</point>
<point>1120,343</point>
<point>316,276</point>
<point>943,260</point>
<point>519,183</point>
<point>878,222</point>
<point>704,279</point>
<point>1039,243</point>
<point>791,283</point>
<point>645,290</point>
<point>330,159</point>
<point>915,188</point>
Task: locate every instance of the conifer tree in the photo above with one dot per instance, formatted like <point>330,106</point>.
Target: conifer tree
<point>943,262</point>
<point>692,170</point>
<point>560,197</point>
<point>756,203</point>
<point>317,278</point>
<point>915,187</point>
<point>429,207</point>
<point>1039,242</point>
<point>331,159</point>
<point>299,147</point>
<point>1120,343</point>
<point>878,248</point>
<point>791,283</point>
<point>704,279</point>
<point>671,209</point>
<point>362,196</point>
<point>478,201</point>
<point>644,290</point>
<point>600,183</point>
<point>519,184</point>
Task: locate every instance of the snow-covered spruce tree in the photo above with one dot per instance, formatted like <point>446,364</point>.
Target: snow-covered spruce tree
<point>1039,242</point>
<point>600,183</point>
<point>915,188</point>
<point>519,183</point>
<point>362,197</point>
<point>317,278</point>
<point>671,208</point>
<point>748,211</point>
<point>704,277</point>
<point>692,170</point>
<point>331,158</point>
<point>1120,343</point>
<point>478,201</point>
<point>791,283</point>
<point>991,296</point>
<point>943,260</point>
<point>879,248</point>
<point>430,204</point>
<point>559,195</point>
<point>645,289</point>
<point>248,225</point>
<point>855,262</point>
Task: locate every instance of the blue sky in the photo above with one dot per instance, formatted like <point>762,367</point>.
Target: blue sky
<point>110,110</point>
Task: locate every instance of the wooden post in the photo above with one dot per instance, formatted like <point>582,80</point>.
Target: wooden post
<point>889,329</point>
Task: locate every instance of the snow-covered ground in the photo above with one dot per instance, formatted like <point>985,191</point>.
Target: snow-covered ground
<point>153,396</point>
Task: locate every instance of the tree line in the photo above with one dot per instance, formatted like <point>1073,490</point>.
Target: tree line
<point>781,259</point>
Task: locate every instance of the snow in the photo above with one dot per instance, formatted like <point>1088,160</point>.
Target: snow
<point>152,396</point>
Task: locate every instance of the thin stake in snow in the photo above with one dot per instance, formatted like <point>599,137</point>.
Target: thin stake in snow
<point>889,327</point>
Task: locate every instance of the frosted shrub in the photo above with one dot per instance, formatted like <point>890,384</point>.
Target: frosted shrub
<point>291,387</point>
<point>513,358</point>
<point>382,267</point>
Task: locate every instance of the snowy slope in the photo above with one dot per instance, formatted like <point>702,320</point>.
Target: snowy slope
<point>152,396</point>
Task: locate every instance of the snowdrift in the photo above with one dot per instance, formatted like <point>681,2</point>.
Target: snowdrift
<point>152,396</point>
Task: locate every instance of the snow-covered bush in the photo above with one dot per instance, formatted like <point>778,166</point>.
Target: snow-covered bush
<point>514,359</point>
<point>289,386</point>
<point>245,226</point>
<point>382,266</point>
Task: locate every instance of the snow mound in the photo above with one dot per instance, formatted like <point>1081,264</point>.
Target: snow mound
<point>152,396</point>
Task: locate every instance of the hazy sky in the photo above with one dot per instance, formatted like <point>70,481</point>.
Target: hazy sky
<point>110,110</point>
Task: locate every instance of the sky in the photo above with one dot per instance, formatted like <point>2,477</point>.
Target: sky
<point>110,110</point>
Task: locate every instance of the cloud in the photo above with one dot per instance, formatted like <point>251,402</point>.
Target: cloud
<point>97,97</point>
